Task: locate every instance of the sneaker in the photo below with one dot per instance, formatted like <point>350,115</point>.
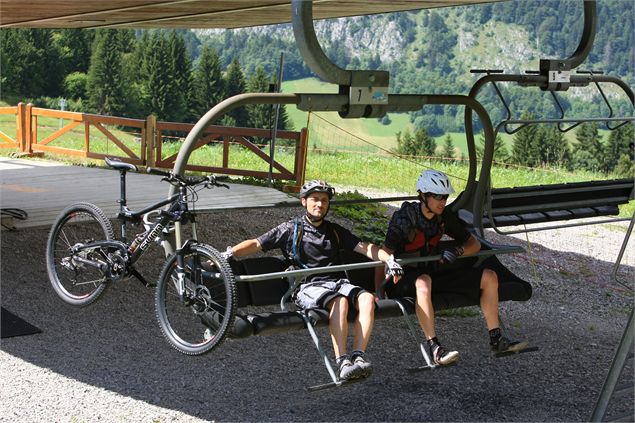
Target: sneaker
<point>504,345</point>
<point>364,365</point>
<point>348,371</point>
<point>442,356</point>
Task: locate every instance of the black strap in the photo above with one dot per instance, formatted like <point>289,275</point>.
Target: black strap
<point>296,242</point>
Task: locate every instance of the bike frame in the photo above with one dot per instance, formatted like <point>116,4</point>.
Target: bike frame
<point>178,208</point>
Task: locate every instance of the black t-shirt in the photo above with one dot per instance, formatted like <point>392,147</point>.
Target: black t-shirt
<point>319,246</point>
<point>410,233</point>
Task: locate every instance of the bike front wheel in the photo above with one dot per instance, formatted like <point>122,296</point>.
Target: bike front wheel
<point>196,305</point>
<point>74,281</point>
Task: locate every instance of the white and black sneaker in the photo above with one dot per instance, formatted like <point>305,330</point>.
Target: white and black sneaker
<point>443,357</point>
<point>348,371</point>
<point>365,367</point>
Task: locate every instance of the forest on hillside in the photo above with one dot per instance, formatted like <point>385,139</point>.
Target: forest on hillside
<point>179,75</point>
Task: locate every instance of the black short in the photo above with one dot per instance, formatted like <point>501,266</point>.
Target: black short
<point>462,281</point>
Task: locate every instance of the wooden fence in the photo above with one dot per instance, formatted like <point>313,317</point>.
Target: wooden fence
<point>149,142</point>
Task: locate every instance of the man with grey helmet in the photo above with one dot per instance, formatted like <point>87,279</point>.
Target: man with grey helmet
<point>312,241</point>
<point>415,231</point>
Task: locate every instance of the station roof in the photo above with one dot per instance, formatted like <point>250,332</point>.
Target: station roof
<point>190,13</point>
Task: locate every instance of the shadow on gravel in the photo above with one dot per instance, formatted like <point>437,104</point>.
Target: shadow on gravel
<point>116,345</point>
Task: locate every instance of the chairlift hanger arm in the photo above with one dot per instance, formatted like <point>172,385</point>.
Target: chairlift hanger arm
<point>558,71</point>
<point>309,46</point>
<point>364,88</point>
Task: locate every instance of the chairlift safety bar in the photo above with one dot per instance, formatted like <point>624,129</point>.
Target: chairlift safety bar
<point>355,266</point>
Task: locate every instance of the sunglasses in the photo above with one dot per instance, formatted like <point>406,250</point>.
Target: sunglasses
<point>439,197</point>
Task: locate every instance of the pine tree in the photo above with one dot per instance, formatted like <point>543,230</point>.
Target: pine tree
<point>135,73</point>
<point>159,81</point>
<point>625,167</point>
<point>424,144</point>
<point>538,151</point>
<point>181,107</point>
<point>589,154</point>
<point>105,82</point>
<point>557,150</point>
<point>448,148</point>
<point>127,39</point>
<point>406,144</point>
<point>618,144</point>
<point>15,55</point>
<point>75,49</point>
<point>165,77</point>
<point>260,115</point>
<point>235,84</point>
<point>208,81</point>
<point>30,63</point>
<point>283,118</point>
<point>521,150</point>
<point>500,150</point>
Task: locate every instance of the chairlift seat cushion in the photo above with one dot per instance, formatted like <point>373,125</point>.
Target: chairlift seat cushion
<point>269,292</point>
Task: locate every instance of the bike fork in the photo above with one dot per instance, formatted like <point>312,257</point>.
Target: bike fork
<point>180,274</point>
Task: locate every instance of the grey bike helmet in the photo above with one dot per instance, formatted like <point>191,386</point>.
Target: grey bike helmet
<point>435,182</point>
<point>316,185</point>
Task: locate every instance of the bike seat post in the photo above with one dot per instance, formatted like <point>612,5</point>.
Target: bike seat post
<point>122,189</point>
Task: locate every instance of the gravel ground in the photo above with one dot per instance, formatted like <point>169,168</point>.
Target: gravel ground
<point>109,363</point>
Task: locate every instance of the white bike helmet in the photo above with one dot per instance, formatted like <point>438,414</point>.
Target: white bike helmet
<point>435,182</point>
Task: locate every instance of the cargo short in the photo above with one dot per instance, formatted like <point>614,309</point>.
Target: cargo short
<point>320,294</point>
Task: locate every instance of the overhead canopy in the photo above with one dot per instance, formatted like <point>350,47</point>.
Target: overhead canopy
<point>189,13</point>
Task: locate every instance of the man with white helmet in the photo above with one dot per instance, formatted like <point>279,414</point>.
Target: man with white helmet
<point>311,241</point>
<point>415,230</point>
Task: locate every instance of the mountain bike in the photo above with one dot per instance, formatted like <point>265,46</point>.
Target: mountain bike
<point>195,306</point>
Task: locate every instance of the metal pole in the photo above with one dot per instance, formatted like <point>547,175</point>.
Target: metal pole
<point>366,265</point>
<point>616,267</point>
<point>614,372</point>
<point>62,108</point>
<point>274,129</point>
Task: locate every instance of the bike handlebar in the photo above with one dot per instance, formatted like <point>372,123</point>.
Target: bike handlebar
<point>209,181</point>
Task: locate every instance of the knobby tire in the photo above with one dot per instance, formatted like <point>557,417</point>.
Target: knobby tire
<point>76,284</point>
<point>199,322</point>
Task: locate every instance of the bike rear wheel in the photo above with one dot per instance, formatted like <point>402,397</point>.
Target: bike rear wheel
<point>199,319</point>
<point>75,282</point>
